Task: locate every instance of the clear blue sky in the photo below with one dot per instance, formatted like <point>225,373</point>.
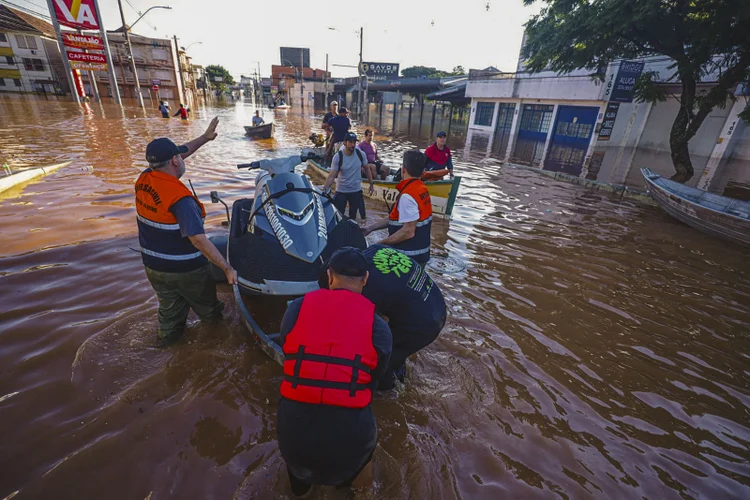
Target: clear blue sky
<point>239,34</point>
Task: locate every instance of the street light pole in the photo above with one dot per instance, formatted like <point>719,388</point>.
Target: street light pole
<point>361,82</point>
<point>130,53</point>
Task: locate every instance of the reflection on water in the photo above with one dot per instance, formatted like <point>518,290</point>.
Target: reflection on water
<point>594,349</point>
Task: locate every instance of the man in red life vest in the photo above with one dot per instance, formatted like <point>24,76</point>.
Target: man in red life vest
<point>174,247</point>
<point>410,220</point>
<point>336,349</point>
<point>439,158</point>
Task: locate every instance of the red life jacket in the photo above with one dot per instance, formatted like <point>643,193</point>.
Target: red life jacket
<point>329,352</point>
<point>418,247</point>
<point>184,113</point>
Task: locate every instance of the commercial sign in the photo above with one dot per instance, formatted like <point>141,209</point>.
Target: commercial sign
<point>379,71</point>
<point>82,41</point>
<point>624,83</point>
<point>87,62</point>
<point>609,121</point>
<point>79,14</point>
<point>155,82</point>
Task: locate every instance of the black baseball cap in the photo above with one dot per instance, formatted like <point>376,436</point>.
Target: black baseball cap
<point>350,136</point>
<point>441,134</point>
<point>348,261</point>
<point>163,149</point>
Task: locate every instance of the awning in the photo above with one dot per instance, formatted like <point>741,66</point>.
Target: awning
<point>6,51</point>
<point>10,73</point>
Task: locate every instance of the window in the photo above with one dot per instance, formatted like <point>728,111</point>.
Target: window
<point>483,114</point>
<point>3,38</point>
<point>2,82</point>
<point>10,60</point>
<point>26,42</point>
<point>33,64</point>
<point>17,82</point>
<point>536,117</point>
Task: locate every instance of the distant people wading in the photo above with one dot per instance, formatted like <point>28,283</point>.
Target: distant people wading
<point>183,112</point>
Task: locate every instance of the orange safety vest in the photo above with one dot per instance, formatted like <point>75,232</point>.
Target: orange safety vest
<point>162,246</point>
<point>327,361</point>
<point>418,247</point>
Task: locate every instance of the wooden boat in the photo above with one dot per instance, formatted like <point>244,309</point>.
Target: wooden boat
<point>716,215</point>
<point>264,131</point>
<point>442,193</point>
<point>28,174</point>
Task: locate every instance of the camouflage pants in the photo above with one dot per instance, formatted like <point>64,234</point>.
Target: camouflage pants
<point>178,293</point>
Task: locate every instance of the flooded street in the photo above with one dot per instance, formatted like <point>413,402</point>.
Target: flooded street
<point>594,349</point>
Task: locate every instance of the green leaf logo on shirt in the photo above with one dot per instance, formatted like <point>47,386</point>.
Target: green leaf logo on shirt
<point>388,260</point>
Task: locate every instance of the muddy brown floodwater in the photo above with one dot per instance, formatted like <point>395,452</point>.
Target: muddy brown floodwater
<point>594,349</point>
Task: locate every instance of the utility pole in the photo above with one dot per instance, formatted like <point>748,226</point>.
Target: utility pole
<point>326,103</point>
<point>130,53</point>
<point>111,63</point>
<point>302,79</point>
<point>179,67</point>
<point>361,74</point>
<point>64,51</point>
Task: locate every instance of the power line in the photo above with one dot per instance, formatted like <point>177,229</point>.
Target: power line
<point>27,10</point>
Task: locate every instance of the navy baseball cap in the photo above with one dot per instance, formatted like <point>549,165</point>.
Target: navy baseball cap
<point>163,149</point>
<point>350,136</point>
<point>441,134</point>
<point>348,261</point>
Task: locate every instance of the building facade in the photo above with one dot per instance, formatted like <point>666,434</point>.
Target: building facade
<point>284,78</point>
<point>569,123</point>
<point>30,60</point>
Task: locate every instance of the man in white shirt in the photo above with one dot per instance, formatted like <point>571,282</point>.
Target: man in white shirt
<point>257,119</point>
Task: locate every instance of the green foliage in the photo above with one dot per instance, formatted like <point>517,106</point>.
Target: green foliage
<point>215,70</point>
<point>458,71</point>
<point>706,39</point>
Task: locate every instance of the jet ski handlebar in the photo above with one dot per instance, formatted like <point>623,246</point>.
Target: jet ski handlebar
<point>251,165</point>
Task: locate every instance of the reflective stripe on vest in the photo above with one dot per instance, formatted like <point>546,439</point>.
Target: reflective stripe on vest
<point>162,246</point>
<point>331,362</point>
<point>418,246</point>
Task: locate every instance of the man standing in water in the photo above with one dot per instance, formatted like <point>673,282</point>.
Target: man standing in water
<point>183,112</point>
<point>410,220</point>
<point>405,294</point>
<point>325,424</point>
<point>174,247</point>
<point>346,168</point>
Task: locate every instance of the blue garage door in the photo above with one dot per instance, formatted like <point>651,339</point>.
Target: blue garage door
<point>570,140</point>
<point>532,133</point>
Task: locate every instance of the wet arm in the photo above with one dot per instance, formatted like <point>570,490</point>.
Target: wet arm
<point>382,341</point>
<point>208,249</point>
<point>406,232</point>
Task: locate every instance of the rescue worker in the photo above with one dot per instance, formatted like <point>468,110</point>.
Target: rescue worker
<point>410,220</point>
<point>405,294</point>
<point>439,158</point>
<point>174,247</point>
<point>183,112</point>
<point>336,349</point>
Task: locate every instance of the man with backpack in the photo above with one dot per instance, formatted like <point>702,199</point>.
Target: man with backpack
<point>346,168</point>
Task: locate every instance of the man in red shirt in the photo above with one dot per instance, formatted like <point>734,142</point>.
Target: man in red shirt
<point>439,159</point>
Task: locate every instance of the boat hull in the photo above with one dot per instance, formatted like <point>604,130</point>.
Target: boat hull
<point>265,131</point>
<point>442,193</point>
<point>27,175</point>
<point>712,214</point>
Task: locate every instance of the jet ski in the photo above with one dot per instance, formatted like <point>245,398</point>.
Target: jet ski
<point>280,239</point>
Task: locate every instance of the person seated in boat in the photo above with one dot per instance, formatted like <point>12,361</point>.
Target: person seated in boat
<point>407,297</point>
<point>336,349</point>
<point>257,119</point>
<point>373,160</point>
<point>439,159</point>
<point>410,220</point>
<point>345,169</point>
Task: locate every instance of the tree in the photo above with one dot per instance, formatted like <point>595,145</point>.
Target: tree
<point>705,39</point>
<point>215,70</point>
<point>422,72</point>
<point>458,71</point>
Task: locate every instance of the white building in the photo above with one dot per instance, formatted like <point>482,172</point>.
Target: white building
<point>557,122</point>
<point>30,60</point>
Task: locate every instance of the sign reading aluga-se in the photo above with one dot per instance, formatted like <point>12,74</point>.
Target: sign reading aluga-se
<point>87,62</point>
<point>624,83</point>
<point>379,71</point>
<point>79,14</point>
<point>83,41</point>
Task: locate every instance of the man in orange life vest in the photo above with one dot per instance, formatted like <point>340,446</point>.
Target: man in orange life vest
<point>410,219</point>
<point>174,247</point>
<point>336,349</point>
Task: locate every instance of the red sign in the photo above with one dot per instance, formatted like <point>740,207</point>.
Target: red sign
<point>83,41</point>
<point>87,62</point>
<point>155,88</point>
<point>79,14</point>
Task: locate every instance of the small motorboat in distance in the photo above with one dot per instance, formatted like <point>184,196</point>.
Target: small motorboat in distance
<point>264,131</point>
<point>713,214</point>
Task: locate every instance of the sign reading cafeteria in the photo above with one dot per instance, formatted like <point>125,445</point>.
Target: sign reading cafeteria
<point>82,41</point>
<point>88,62</point>
<point>79,14</point>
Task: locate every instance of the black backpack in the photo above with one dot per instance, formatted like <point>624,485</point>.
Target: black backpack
<point>359,155</point>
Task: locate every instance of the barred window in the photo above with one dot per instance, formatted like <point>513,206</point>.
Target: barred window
<point>483,114</point>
